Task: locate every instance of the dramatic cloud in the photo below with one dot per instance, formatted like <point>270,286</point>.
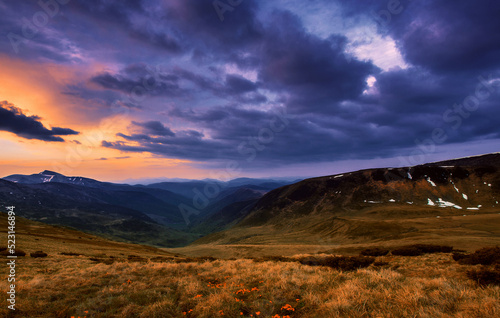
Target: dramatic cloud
<point>13,120</point>
<point>270,83</point>
<point>437,34</point>
<point>155,128</point>
<point>139,79</point>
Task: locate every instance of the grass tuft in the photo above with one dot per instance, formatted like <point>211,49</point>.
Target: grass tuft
<point>38,254</point>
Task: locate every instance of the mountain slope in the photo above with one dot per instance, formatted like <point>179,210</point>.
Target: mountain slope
<point>133,213</point>
<point>378,205</point>
<point>105,212</point>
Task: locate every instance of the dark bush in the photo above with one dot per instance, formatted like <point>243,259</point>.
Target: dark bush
<point>38,254</point>
<point>485,276</point>
<point>16,253</point>
<point>270,258</point>
<point>407,251</point>
<point>70,254</point>
<point>206,258</point>
<point>430,248</point>
<point>484,256</point>
<point>374,251</point>
<point>380,264</point>
<point>161,259</point>
<point>136,258</point>
<point>344,263</point>
<point>107,261</point>
<point>457,256</point>
<point>420,249</point>
<point>200,259</point>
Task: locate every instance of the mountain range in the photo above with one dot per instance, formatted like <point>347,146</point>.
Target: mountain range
<point>142,214</point>
<point>389,204</point>
<point>449,201</point>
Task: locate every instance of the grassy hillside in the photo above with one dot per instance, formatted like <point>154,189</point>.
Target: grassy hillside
<point>33,236</point>
<point>424,286</point>
<point>429,203</point>
<point>87,276</point>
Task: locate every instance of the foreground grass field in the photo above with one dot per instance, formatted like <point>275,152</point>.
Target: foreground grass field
<point>432,285</point>
<point>87,276</point>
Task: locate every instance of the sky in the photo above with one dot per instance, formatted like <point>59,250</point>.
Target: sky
<point>117,90</point>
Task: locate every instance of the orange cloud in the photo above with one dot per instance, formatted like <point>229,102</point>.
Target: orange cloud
<point>37,88</point>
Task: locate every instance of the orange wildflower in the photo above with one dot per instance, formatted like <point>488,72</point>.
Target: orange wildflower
<point>288,307</point>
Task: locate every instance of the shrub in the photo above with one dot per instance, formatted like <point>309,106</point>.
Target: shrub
<point>380,264</point>
<point>374,251</point>
<point>161,259</point>
<point>70,254</point>
<point>485,276</point>
<point>38,254</point>
<point>484,256</point>
<point>272,259</point>
<point>136,258</point>
<point>407,251</point>
<point>200,259</point>
<point>420,249</point>
<point>107,261</point>
<point>344,263</point>
<point>16,253</point>
<point>457,256</point>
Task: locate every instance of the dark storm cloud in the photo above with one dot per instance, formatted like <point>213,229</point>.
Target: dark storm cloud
<point>333,114</point>
<point>13,120</point>
<point>239,133</point>
<point>451,37</point>
<point>315,72</point>
<point>238,84</point>
<point>440,35</point>
<point>155,128</point>
<point>139,77</point>
<point>185,144</point>
<point>121,16</point>
<point>31,34</point>
<point>213,40</point>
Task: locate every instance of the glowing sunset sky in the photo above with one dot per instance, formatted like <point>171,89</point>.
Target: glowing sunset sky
<point>118,90</point>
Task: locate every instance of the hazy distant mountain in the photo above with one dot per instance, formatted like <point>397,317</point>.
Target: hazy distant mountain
<point>370,204</point>
<point>187,188</point>
<point>132,213</point>
<point>51,176</point>
<point>141,213</point>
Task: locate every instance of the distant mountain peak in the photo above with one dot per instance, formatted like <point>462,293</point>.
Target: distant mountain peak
<point>50,173</point>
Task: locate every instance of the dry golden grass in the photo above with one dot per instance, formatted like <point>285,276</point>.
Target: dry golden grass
<point>424,286</point>
<point>157,284</point>
<point>34,236</point>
